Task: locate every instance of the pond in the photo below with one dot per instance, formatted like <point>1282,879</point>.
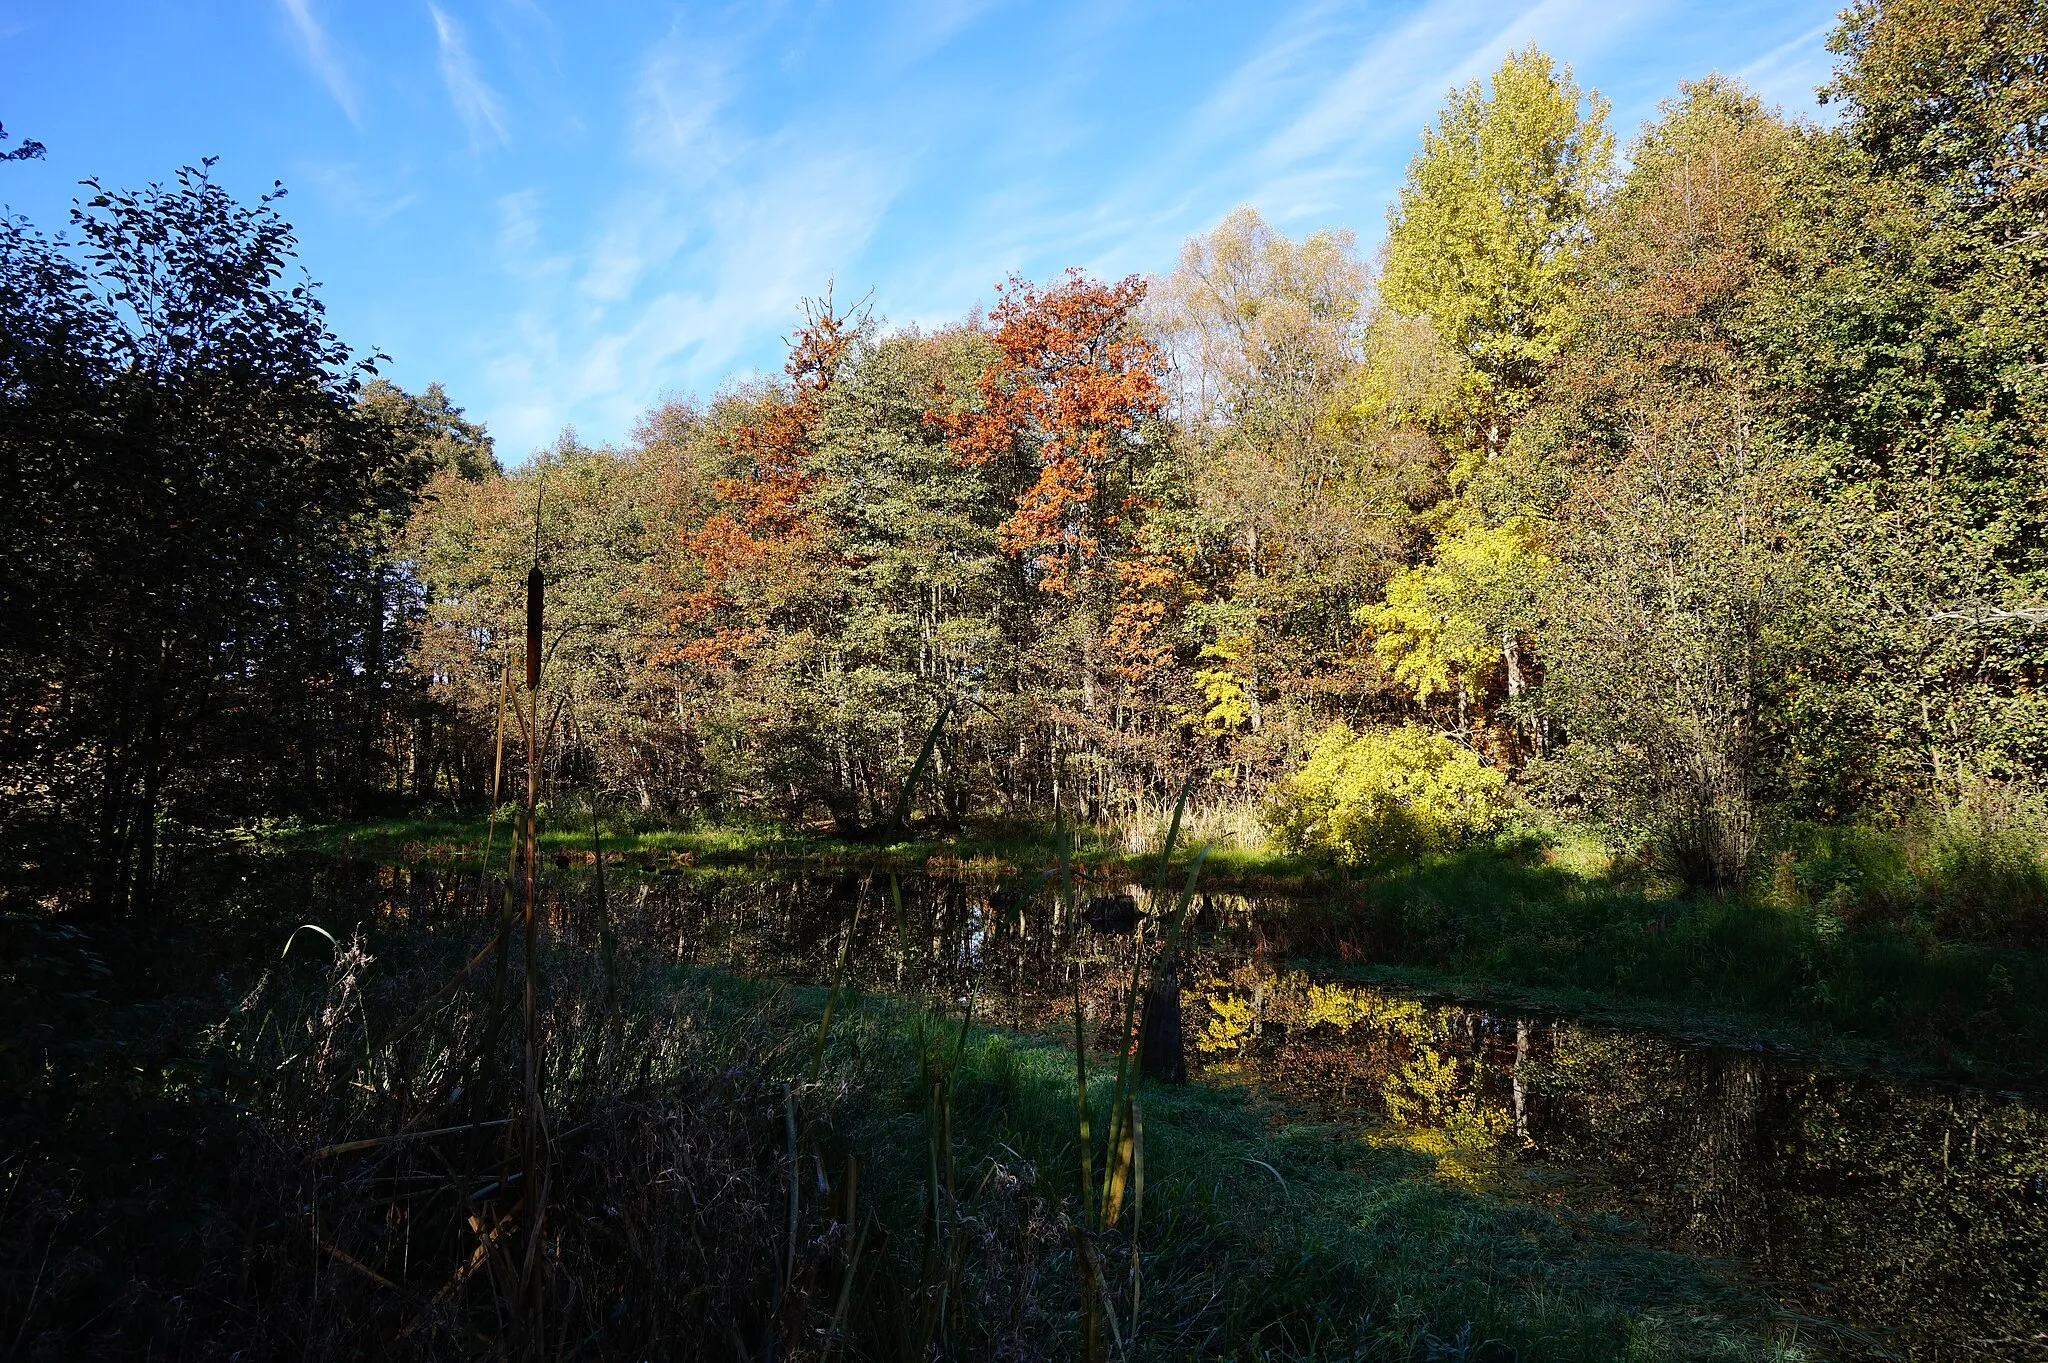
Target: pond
<point>1894,1217</point>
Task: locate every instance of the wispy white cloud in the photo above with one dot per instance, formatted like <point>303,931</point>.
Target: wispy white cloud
<point>922,27</point>
<point>1789,73</point>
<point>369,197</point>
<point>674,282</point>
<point>682,89</point>
<point>321,56</point>
<point>475,102</point>
<point>522,253</point>
<point>1399,79</point>
<point>1323,114</point>
<point>745,179</point>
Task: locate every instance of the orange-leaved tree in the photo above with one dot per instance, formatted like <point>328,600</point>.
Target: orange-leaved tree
<point>1064,401</point>
<point>751,548</point>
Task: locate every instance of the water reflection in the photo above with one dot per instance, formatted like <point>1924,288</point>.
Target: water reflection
<point>1913,1213</point>
<point>1918,1213</point>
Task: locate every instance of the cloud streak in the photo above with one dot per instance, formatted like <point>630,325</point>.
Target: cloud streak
<point>320,55</point>
<point>475,102</point>
<point>675,281</point>
<point>746,171</point>
<point>1791,70</point>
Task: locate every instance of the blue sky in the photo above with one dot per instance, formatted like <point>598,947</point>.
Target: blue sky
<point>566,211</point>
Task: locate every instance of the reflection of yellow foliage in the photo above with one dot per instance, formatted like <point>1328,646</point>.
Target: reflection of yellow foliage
<point>1460,1160</point>
<point>1425,1089</point>
<point>1290,997</point>
<point>1433,1100</point>
<point>1445,1119</point>
<point>1345,1006</point>
<point>1230,1024</point>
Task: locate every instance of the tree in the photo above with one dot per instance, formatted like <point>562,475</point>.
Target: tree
<point>1445,622</point>
<point>433,436</point>
<point>188,492</point>
<point>1677,618</point>
<point>28,149</point>
<point>1065,420</point>
<point>1954,94</point>
<point>1289,507</point>
<point>1063,404</point>
<point>1679,608</point>
<point>1485,237</point>
<point>1908,341</point>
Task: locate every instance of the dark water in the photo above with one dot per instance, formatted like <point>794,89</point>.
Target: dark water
<point>1911,1218</point>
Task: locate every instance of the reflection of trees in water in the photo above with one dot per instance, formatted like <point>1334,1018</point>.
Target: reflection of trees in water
<point>1884,1205</point>
<point>1687,1135</point>
<point>941,938</point>
<point>1880,1204</point>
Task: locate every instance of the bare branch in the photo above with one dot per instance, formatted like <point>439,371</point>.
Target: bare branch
<point>2032,616</point>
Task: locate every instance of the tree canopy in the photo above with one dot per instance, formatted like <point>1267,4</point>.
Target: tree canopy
<point>1697,497</point>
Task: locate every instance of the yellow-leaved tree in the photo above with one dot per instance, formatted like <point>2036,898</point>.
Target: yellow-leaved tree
<point>1386,794</point>
<point>1446,621</point>
<point>1479,292</point>
<point>1484,241</point>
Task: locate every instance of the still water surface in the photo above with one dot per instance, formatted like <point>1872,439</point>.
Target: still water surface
<point>1910,1217</point>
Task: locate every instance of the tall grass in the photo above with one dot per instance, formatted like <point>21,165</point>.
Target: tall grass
<point>1225,824</point>
<point>339,1178</point>
<point>1973,867</point>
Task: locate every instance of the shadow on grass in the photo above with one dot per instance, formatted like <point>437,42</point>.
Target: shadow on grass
<point>168,1195</point>
<point>1294,1241</point>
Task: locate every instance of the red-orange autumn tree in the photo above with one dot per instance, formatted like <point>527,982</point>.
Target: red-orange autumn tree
<point>1064,401</point>
<point>754,545</point>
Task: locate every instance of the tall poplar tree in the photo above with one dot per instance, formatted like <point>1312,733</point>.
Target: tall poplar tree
<point>1485,238</point>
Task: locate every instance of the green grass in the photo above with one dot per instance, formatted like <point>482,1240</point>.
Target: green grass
<point>1002,848</point>
<point>1534,920</point>
<point>1538,915</point>
<point>1275,1239</point>
<point>174,1083</point>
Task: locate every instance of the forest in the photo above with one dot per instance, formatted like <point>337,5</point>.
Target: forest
<point>1692,491</point>
<point>1624,585</point>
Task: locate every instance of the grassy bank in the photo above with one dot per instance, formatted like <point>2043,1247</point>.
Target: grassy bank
<point>994,849</point>
<point>214,1150</point>
<point>1525,919</point>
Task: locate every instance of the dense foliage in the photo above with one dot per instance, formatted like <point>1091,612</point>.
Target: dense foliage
<point>1698,497</point>
<point>1386,795</point>
<point>1690,513</point>
<point>1702,497</point>
<point>196,497</point>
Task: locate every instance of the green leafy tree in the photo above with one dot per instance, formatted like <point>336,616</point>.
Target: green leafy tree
<point>1680,605</point>
<point>1292,513</point>
<point>1906,339</point>
<point>190,497</point>
<point>1485,238</point>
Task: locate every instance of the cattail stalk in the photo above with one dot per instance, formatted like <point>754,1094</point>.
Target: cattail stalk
<point>532,1129</point>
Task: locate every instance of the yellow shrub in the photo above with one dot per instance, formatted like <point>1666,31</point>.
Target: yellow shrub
<point>1386,794</point>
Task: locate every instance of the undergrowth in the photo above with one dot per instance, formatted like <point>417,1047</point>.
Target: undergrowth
<point>1525,910</point>
<point>214,1151</point>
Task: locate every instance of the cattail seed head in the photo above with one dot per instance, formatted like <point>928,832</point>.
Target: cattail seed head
<point>534,585</point>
